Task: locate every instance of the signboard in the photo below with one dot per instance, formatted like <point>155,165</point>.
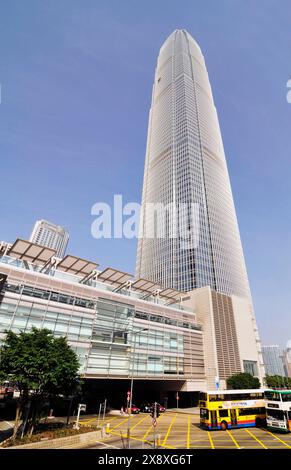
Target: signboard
<point>243,404</point>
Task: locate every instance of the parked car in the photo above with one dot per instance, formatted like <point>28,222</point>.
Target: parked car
<point>162,409</point>
<point>135,409</point>
<point>148,407</point>
<point>145,407</point>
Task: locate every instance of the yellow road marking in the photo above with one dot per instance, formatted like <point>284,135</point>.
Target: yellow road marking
<point>147,432</point>
<point>202,439</point>
<point>134,438</point>
<point>200,446</point>
<point>168,447</point>
<point>140,421</point>
<point>138,439</point>
<point>169,430</point>
<point>188,433</point>
<point>150,427</point>
<point>233,439</point>
<point>175,430</point>
<point>111,419</point>
<point>87,421</point>
<point>113,433</point>
<point>283,442</point>
<point>210,439</point>
<point>121,422</point>
<point>254,437</point>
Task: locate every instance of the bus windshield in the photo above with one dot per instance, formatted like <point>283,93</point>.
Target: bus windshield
<point>277,414</point>
<point>273,396</point>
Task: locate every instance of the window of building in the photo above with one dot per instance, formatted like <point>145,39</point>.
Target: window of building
<point>251,367</point>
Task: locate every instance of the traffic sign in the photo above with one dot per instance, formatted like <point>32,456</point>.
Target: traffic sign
<point>154,422</point>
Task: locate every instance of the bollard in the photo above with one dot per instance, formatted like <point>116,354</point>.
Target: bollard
<point>158,440</point>
<point>107,430</point>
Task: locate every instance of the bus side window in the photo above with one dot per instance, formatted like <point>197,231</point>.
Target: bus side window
<point>204,413</point>
<point>251,411</point>
<point>216,397</point>
<point>212,397</point>
<point>223,413</point>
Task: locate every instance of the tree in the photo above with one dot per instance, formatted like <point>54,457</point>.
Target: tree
<point>41,366</point>
<point>277,381</point>
<point>242,381</point>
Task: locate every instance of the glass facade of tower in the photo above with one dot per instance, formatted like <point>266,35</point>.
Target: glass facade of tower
<point>185,164</point>
<point>115,334</point>
<point>272,356</point>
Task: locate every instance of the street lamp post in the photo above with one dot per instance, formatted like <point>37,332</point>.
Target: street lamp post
<point>131,383</point>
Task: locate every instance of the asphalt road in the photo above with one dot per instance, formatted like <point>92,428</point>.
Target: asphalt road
<point>182,431</point>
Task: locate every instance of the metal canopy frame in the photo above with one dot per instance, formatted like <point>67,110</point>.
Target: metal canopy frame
<point>114,277</point>
<point>77,266</point>
<point>28,251</point>
<point>145,286</point>
<point>173,295</point>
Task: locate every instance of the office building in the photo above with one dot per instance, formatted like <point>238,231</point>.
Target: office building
<point>50,235</point>
<point>230,345</point>
<point>272,356</point>
<point>186,180</point>
<point>287,360</point>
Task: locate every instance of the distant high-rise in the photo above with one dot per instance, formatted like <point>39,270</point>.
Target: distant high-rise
<point>287,360</point>
<point>273,360</point>
<point>185,165</point>
<point>53,236</point>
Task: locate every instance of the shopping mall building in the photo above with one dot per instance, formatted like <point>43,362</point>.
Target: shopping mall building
<point>121,328</point>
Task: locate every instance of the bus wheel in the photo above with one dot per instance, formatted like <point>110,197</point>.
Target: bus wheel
<point>223,425</point>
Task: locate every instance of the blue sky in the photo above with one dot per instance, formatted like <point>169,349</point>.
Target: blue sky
<point>76,82</point>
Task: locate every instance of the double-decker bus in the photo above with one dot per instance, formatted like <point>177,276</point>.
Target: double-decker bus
<point>225,409</point>
<point>278,410</point>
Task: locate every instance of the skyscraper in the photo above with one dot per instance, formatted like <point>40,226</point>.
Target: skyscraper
<point>273,360</point>
<point>48,234</point>
<point>185,165</point>
<point>287,360</point>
